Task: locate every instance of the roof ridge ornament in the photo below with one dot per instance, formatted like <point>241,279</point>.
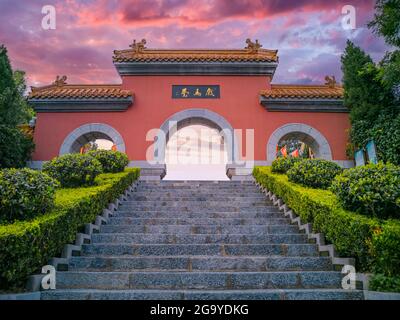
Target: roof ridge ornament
<point>252,47</point>
<point>138,47</point>
<point>60,81</point>
<point>330,81</point>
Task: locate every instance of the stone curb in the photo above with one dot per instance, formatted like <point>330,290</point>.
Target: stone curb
<point>34,281</point>
<point>319,238</point>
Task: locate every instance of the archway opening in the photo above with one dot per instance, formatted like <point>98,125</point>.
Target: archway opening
<point>298,136</point>
<point>92,141</point>
<point>196,150</point>
<point>297,145</point>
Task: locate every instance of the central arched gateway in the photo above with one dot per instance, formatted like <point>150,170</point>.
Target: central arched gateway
<point>225,89</point>
<point>201,117</point>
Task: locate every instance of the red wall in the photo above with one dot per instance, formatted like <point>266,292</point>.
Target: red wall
<point>239,105</point>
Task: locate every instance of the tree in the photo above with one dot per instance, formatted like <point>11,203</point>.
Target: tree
<point>386,21</point>
<point>13,107</point>
<point>365,95</point>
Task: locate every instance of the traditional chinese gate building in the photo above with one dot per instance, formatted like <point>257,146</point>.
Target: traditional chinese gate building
<point>225,89</point>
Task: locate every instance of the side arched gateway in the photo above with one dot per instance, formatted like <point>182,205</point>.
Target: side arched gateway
<point>303,132</point>
<point>89,132</point>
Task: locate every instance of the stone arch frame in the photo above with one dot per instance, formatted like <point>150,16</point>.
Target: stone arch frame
<point>206,117</point>
<point>102,128</point>
<point>308,134</point>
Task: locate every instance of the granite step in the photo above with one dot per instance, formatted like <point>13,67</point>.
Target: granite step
<point>285,250</point>
<point>199,280</point>
<point>199,263</point>
<point>145,238</point>
<point>187,229</point>
<point>197,208</point>
<point>242,294</point>
<point>176,214</point>
<point>197,221</point>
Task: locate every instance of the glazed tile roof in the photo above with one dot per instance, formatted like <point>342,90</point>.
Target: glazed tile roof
<point>146,55</point>
<point>304,91</point>
<point>251,53</point>
<point>79,91</point>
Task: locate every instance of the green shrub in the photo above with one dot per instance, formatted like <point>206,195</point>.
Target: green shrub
<point>26,246</point>
<point>372,190</point>
<point>353,235</point>
<point>15,147</point>
<point>282,165</point>
<point>25,194</point>
<point>73,170</point>
<point>315,173</point>
<point>112,161</point>
<point>380,282</point>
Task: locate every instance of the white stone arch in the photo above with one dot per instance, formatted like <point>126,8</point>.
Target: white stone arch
<point>198,116</point>
<point>311,136</point>
<point>98,130</point>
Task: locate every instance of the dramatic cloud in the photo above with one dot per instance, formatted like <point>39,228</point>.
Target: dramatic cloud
<point>308,34</point>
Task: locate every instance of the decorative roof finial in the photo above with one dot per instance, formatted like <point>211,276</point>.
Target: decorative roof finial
<point>138,47</point>
<point>330,81</point>
<point>253,47</point>
<point>60,81</point>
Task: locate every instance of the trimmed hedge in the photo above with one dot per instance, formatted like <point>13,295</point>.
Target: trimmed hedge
<point>25,194</point>
<point>111,161</point>
<point>374,243</point>
<point>26,246</point>
<point>73,169</point>
<point>315,173</point>
<point>282,165</point>
<point>371,190</point>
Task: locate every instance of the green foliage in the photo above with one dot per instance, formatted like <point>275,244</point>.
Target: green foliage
<point>380,282</point>
<point>25,194</point>
<point>387,21</point>
<point>315,173</point>
<point>282,165</point>
<point>353,235</point>
<point>73,170</point>
<point>15,147</point>
<point>112,161</point>
<point>371,190</point>
<point>26,246</point>
<point>13,108</point>
<point>384,247</point>
<point>363,93</point>
<point>385,131</point>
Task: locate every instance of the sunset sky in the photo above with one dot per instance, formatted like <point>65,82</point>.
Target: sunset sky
<point>308,34</point>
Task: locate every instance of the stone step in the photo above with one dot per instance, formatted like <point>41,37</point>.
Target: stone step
<point>191,193</point>
<point>289,250</point>
<point>199,280</point>
<point>197,221</point>
<point>268,294</point>
<point>138,196</point>
<point>187,229</point>
<point>199,238</point>
<point>196,197</point>
<point>165,187</point>
<point>197,208</point>
<point>200,263</point>
<point>200,200</point>
<point>273,213</point>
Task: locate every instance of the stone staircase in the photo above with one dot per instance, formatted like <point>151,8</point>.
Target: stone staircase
<point>199,240</point>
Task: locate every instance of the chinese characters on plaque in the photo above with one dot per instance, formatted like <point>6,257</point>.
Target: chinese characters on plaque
<point>195,92</point>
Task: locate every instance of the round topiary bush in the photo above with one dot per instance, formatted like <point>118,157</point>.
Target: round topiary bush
<point>112,161</point>
<point>73,170</point>
<point>371,190</point>
<point>15,147</point>
<point>282,165</point>
<point>315,173</point>
<point>25,194</point>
